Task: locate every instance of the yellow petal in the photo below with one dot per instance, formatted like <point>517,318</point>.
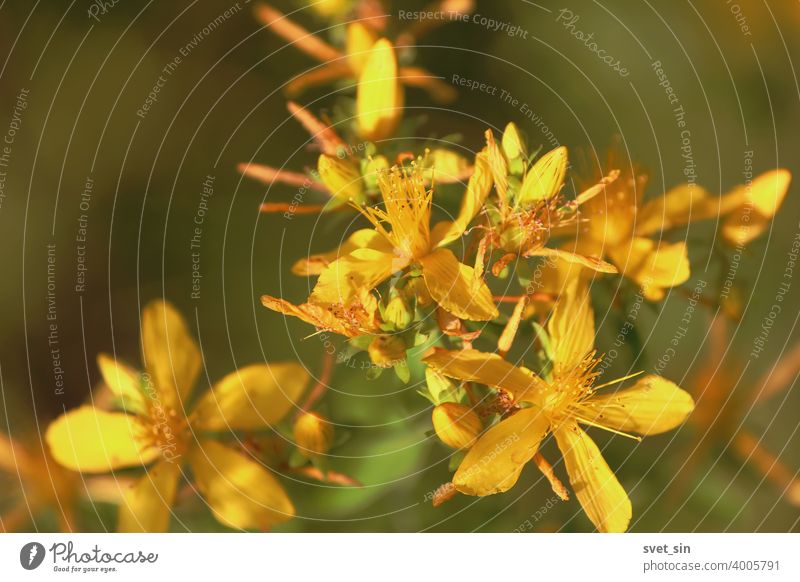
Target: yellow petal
<point>571,328</point>
<point>455,287</point>
<point>488,369</point>
<point>147,505</point>
<point>594,263</point>
<point>653,267</point>
<point>93,441</point>
<point>360,239</point>
<point>478,188</point>
<point>651,406</point>
<point>252,397</point>
<point>596,487</point>
<point>169,353</point>
<point>347,276</point>
<point>379,99</point>
<point>495,461</point>
<point>681,205</point>
<point>124,382</point>
<point>759,203</point>
<point>360,39</point>
<point>240,492</point>
<point>545,179</point>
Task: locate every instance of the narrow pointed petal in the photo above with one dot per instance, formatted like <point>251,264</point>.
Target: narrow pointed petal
<point>170,354</point>
<point>571,328</point>
<point>478,188</point>
<point>240,492</point>
<point>495,461</point>
<point>379,99</point>
<point>488,369</point>
<point>651,406</point>
<point>147,505</point>
<point>600,494</point>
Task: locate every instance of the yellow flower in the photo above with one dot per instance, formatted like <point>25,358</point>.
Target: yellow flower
<point>160,431</point>
<point>313,434</point>
<point>558,405</point>
<point>619,225</point>
<point>404,238</point>
<point>530,206</point>
<point>335,66</point>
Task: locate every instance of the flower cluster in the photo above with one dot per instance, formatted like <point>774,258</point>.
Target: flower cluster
<point>416,283</point>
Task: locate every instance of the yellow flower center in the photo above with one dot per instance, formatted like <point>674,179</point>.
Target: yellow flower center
<point>567,392</point>
<point>167,430</point>
<point>404,219</point>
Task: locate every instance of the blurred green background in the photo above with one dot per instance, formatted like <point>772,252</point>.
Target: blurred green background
<point>222,105</point>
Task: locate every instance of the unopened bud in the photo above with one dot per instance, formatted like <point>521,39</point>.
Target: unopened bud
<point>397,313</point>
<point>456,425</point>
<point>513,144</point>
<point>386,351</point>
<point>313,434</point>
<point>341,177</point>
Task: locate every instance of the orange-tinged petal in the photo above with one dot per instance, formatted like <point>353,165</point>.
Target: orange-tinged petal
<point>545,179</point>
<point>596,487</point>
<point>456,287</point>
<point>357,318</point>
<point>147,505</point>
<point>495,461</point>
<point>295,34</point>
<point>654,267</point>
<point>251,398</point>
<point>346,277</point>
<point>124,382</point>
<point>489,369</point>
<point>94,441</point>
<point>571,328</point>
<point>360,239</point>
<point>651,406</point>
<point>170,353</point>
<point>379,99</point>
<point>240,492</point>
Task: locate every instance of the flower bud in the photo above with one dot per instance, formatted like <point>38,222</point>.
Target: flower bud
<point>512,142</point>
<point>313,434</point>
<point>387,350</point>
<point>456,425</point>
<point>341,177</point>
<point>398,313</point>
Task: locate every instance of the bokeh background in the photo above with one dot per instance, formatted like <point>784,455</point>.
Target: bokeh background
<point>85,79</point>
